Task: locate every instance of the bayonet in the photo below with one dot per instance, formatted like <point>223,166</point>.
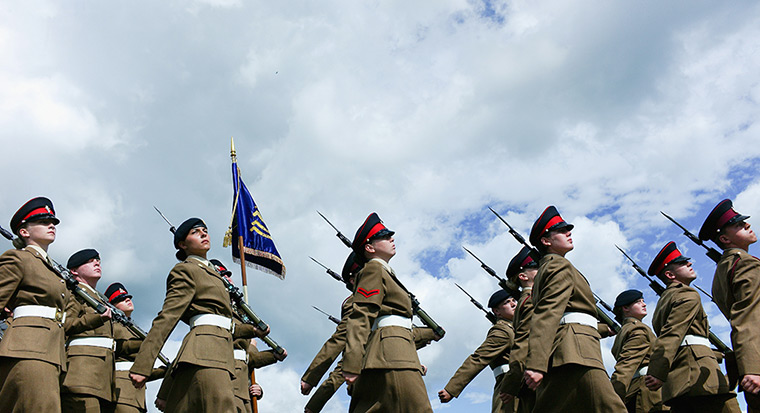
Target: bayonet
<point>338,234</point>
<point>171,227</point>
<point>504,284</point>
<point>331,318</point>
<point>711,252</point>
<point>329,271</point>
<point>489,315</point>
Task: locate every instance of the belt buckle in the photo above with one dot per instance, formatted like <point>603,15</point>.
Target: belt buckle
<point>60,315</point>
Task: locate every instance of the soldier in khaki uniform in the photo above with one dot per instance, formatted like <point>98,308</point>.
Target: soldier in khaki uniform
<point>196,295</point>
<point>332,348</point>
<point>736,291</point>
<point>564,355</point>
<point>632,347</point>
<point>89,383</point>
<point>682,362</point>
<point>247,357</point>
<point>32,349</point>
<point>494,352</point>
<point>380,350</point>
<point>128,398</point>
<point>522,269</point>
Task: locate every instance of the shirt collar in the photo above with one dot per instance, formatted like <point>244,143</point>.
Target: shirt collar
<point>39,250</point>
<point>384,263</point>
<point>201,260</point>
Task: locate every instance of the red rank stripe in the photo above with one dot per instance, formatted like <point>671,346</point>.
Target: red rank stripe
<point>367,294</point>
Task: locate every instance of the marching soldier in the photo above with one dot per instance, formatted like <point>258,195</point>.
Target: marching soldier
<point>736,291</point>
<point>522,268</point>
<point>380,359</point>
<point>682,362</point>
<point>247,357</point>
<point>196,295</point>
<point>128,398</point>
<point>631,350</point>
<point>89,382</point>
<point>32,355</point>
<point>330,350</point>
<point>564,354</point>
<point>494,352</point>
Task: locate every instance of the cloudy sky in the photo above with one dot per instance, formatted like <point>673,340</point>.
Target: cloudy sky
<point>426,112</point>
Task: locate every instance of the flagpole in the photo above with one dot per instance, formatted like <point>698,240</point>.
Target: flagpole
<point>241,249</point>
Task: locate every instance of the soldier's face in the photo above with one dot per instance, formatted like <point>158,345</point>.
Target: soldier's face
<point>506,309</point>
<point>38,232</point>
<point>682,272</point>
<point>637,310</point>
<point>197,242</point>
<point>558,241</point>
<point>384,247</point>
<point>89,271</point>
<point>739,234</point>
<point>125,305</point>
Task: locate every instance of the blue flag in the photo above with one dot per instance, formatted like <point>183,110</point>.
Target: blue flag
<point>258,247</point>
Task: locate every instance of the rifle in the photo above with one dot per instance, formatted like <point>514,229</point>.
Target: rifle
<point>416,309</point>
<point>338,234</point>
<point>100,305</point>
<point>659,289</point>
<point>329,271</point>
<point>331,318</point>
<point>711,252</point>
<point>489,315</point>
<point>600,314</point>
<point>237,298</point>
<point>504,284</point>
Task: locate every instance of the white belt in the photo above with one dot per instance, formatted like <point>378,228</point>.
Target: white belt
<point>39,311</point>
<point>392,320</point>
<point>103,342</point>
<point>212,320</point>
<point>691,340</point>
<point>579,318</point>
<point>240,355</point>
<point>641,372</point>
<point>499,370</point>
<point>124,365</point>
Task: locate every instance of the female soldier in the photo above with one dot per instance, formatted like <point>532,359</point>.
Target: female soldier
<point>32,353</point>
<point>196,295</point>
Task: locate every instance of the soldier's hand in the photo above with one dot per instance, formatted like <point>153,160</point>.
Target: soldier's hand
<point>506,397</point>
<point>161,404</point>
<point>653,383</point>
<point>444,396</point>
<point>307,410</point>
<point>424,369</point>
<point>533,379</point>
<point>436,337</point>
<point>262,334</point>
<point>751,383</point>
<point>106,315</point>
<point>306,388</point>
<point>256,391</point>
<point>138,380</point>
<point>281,357</point>
<point>350,378</point>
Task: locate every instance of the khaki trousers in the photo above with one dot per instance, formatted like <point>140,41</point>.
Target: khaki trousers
<point>326,390</point>
<point>200,389</point>
<point>721,403</point>
<point>497,406</point>
<point>84,403</point>
<point>29,386</point>
<point>390,391</point>
<point>574,388</point>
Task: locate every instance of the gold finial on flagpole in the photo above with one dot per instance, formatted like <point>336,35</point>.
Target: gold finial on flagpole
<point>233,155</point>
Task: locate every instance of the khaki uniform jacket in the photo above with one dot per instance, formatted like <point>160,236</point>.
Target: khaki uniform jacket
<point>90,368</point>
<point>26,278</point>
<point>631,350</point>
<point>686,370</point>
<point>392,347</point>
<point>512,380</point>
<point>560,288</point>
<point>127,347</point>
<point>331,349</point>
<point>192,288</point>
<point>736,291</point>
<point>494,352</point>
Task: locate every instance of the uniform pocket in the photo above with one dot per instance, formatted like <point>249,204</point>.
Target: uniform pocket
<point>396,345</point>
<point>212,346</point>
<point>587,342</point>
<point>32,338</point>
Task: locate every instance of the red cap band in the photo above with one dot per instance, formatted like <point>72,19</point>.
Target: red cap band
<point>377,228</point>
<point>726,217</point>
<point>552,222</point>
<point>116,294</point>
<point>526,261</point>
<point>38,211</point>
<point>670,257</point>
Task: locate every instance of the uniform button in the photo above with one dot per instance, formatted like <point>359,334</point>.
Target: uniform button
<point>63,295</point>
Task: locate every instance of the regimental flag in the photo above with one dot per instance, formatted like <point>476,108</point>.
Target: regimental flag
<point>258,246</point>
